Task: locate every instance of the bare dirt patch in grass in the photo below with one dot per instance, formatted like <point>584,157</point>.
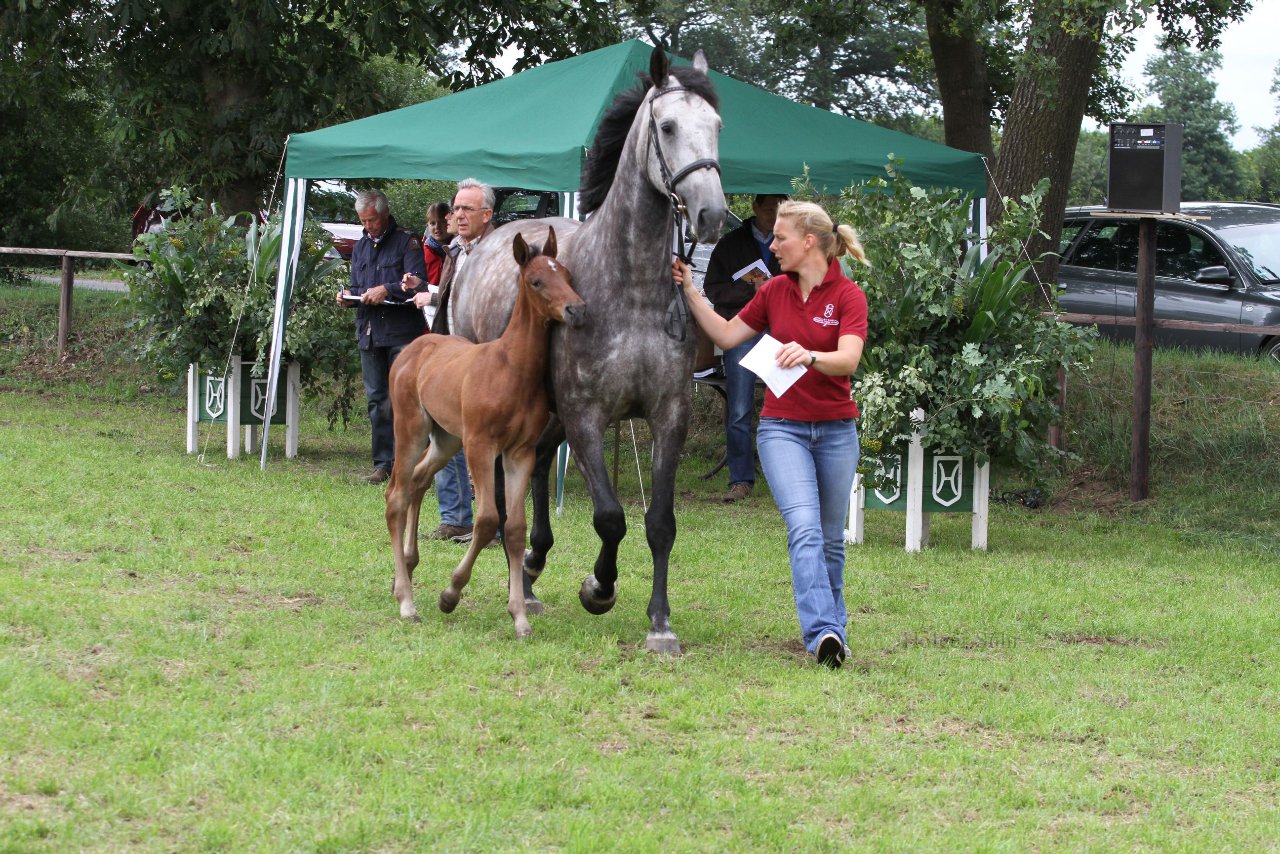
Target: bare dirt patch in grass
<point>1086,491</point>
<point>1098,640</point>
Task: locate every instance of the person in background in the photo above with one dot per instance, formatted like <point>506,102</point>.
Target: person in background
<point>435,246</point>
<point>380,263</point>
<point>473,220</point>
<point>747,243</point>
<point>807,438</point>
<point>436,241</point>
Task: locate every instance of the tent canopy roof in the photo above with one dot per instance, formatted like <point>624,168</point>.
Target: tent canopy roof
<point>532,130</point>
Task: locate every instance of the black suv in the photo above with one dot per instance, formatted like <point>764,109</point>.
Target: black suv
<point>1223,266</point>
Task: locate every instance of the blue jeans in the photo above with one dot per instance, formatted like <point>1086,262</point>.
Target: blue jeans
<point>453,492</point>
<point>375,370</point>
<point>810,467</point>
<point>740,408</point>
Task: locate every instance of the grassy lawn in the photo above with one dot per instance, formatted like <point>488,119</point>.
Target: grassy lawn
<point>196,655</point>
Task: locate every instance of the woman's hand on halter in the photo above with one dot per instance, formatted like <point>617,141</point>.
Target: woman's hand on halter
<point>681,274</point>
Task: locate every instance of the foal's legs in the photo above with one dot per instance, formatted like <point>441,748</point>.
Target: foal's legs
<point>517,466</point>
<point>598,592</point>
<point>403,495</point>
<point>484,525</point>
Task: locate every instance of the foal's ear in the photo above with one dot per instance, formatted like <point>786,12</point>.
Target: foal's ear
<point>549,248</point>
<point>700,61</point>
<point>520,250</point>
<point>658,67</point>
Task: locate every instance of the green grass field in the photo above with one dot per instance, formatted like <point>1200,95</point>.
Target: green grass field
<point>196,655</point>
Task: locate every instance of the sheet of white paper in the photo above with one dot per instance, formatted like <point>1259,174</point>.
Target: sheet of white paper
<point>754,272</point>
<point>762,361</point>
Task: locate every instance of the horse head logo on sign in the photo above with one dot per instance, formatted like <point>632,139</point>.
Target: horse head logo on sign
<point>215,395</point>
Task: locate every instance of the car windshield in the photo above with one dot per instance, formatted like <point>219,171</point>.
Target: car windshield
<point>1259,245</point>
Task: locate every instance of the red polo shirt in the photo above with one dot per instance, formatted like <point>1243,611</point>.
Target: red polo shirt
<point>835,307</point>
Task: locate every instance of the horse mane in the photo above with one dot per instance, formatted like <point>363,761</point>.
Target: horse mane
<point>601,164</point>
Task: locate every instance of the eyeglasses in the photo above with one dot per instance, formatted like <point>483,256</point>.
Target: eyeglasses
<point>466,209</point>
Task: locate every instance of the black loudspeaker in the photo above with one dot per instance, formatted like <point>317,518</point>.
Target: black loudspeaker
<point>1144,167</point>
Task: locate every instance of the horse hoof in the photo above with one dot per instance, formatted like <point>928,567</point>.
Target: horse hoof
<point>448,601</point>
<point>410,614</point>
<point>591,599</point>
<point>523,633</point>
<point>534,563</point>
<point>665,643</point>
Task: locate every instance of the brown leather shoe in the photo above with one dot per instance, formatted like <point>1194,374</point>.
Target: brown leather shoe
<point>456,533</point>
<point>378,475</point>
<point>737,492</point>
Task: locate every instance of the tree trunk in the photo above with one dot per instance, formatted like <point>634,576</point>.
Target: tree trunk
<point>1044,117</point>
<point>961,71</point>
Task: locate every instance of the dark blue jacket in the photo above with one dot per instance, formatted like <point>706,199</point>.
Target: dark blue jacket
<point>384,263</point>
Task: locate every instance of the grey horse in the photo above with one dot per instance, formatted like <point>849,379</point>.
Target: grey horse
<point>657,149</point>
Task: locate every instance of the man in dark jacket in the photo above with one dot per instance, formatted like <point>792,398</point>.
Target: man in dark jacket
<point>747,243</point>
<point>386,319</point>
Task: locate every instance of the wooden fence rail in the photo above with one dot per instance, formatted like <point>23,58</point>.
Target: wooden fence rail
<point>67,284</point>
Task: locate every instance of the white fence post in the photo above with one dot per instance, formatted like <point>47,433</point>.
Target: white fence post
<point>981,505</point>
<point>232,385</point>
<point>193,409</point>
<point>292,410</point>
<point>915,494</point>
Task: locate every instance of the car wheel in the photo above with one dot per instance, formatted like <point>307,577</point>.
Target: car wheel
<point>1271,351</point>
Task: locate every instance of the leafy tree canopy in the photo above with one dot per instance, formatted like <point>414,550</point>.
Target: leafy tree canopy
<point>206,93</point>
<point>1182,81</point>
<point>866,60</point>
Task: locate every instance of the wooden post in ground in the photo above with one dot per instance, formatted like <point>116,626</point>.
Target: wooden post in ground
<point>1144,312</point>
<point>64,303</point>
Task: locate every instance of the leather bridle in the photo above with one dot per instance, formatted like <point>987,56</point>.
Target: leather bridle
<point>677,321</point>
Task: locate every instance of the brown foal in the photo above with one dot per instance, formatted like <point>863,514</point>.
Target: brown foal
<point>489,399</point>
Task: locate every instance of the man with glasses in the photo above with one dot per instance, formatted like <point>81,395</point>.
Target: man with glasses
<point>473,220</point>
<point>385,259</point>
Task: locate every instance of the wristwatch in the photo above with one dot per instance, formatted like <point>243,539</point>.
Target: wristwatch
<point>813,358</point>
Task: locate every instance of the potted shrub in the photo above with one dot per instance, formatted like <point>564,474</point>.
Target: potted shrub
<point>204,294</point>
<point>961,355</point>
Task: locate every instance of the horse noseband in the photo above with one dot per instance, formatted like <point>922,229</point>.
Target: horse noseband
<point>670,179</point>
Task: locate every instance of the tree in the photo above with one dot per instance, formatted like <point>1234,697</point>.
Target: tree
<point>1182,81</point>
<point>1264,161</point>
<point>1089,173</point>
<point>207,93</point>
<point>1062,55</point>
<point>867,61</point>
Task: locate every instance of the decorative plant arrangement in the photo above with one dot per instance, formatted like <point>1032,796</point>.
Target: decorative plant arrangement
<point>958,349</point>
<point>206,289</point>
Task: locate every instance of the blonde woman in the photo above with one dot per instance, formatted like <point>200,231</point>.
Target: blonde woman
<point>807,439</point>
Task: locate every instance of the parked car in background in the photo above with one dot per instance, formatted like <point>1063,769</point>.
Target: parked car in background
<point>333,203</point>
<point>1223,266</point>
<point>702,252</point>
<point>512,203</point>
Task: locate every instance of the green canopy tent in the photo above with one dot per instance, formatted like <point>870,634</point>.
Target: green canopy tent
<point>533,130</point>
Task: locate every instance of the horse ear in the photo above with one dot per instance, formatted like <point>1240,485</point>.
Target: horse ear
<point>658,66</point>
<point>549,248</point>
<point>520,250</point>
<point>700,61</point>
